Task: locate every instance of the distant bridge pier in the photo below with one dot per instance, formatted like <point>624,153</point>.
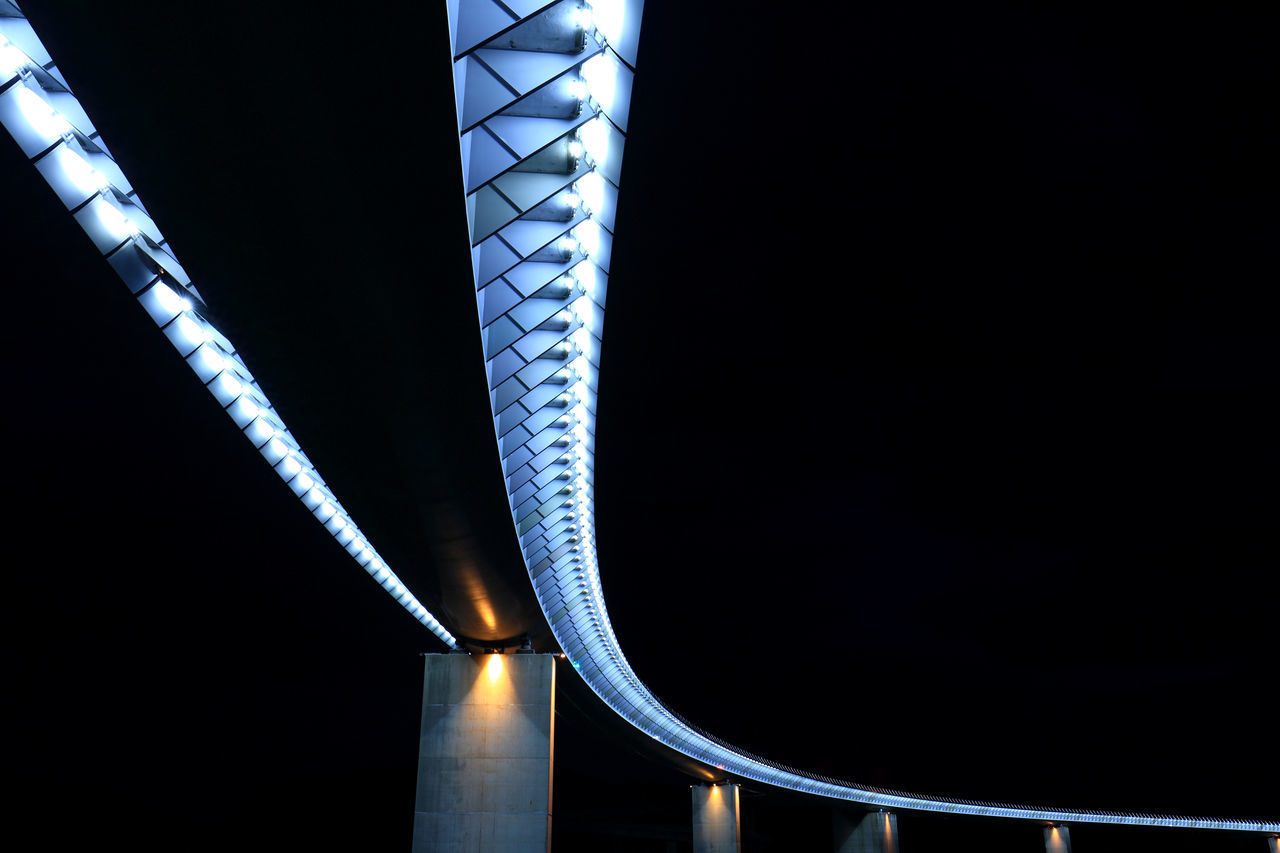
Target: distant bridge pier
<point>1273,844</point>
<point>485,754</point>
<point>1057,838</point>
<point>717,825</point>
<point>869,832</point>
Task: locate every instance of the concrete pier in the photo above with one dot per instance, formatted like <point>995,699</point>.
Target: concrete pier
<point>869,832</point>
<point>1273,844</point>
<point>485,754</point>
<point>1057,839</point>
<point>716,819</point>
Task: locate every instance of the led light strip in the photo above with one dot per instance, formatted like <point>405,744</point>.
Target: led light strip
<point>542,92</point>
<point>50,126</point>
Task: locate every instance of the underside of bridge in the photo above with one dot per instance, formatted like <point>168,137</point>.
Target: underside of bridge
<point>323,223</point>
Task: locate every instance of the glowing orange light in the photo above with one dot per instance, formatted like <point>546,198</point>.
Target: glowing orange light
<point>494,668</point>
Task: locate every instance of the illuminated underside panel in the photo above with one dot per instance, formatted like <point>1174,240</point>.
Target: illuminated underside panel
<point>542,93</point>
<point>53,130</point>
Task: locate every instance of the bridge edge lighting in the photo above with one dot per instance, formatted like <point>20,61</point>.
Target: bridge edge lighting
<point>541,331</point>
<point>51,127</point>
<point>550,466</point>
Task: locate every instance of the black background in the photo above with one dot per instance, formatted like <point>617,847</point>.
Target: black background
<point>936,442</point>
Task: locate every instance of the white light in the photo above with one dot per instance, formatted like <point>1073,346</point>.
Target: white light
<point>568,245</point>
<point>571,200</point>
<point>585,310</point>
<point>581,367</point>
<point>578,89</point>
<point>212,359</point>
<point>607,16</point>
<point>590,187</point>
<point>191,330</point>
<point>595,139</point>
<point>248,408</point>
<point>293,466</point>
<point>278,447</point>
<point>305,482</point>
<point>581,338</point>
<point>230,384</point>
<point>12,60</point>
<point>170,301</point>
<point>120,226</point>
<point>601,79</point>
<point>582,17</point>
<point>262,430</point>
<point>327,508</point>
<point>86,178</point>
<point>588,236</point>
<point>42,117</point>
<point>586,275</point>
<point>575,149</point>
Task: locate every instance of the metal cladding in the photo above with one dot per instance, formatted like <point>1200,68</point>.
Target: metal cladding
<point>42,115</point>
<point>542,93</point>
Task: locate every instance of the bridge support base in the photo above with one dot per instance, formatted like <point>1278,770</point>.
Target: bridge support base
<point>485,754</point>
<point>1057,839</point>
<point>716,819</point>
<point>871,832</point>
<point>1273,844</point>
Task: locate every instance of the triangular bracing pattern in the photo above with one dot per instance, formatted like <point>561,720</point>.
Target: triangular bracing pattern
<point>542,109</point>
<point>542,95</point>
<point>541,178</point>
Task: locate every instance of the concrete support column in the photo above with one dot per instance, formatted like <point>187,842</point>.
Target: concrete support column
<point>485,754</point>
<point>1273,844</point>
<point>869,832</point>
<point>1057,839</point>
<point>716,824</point>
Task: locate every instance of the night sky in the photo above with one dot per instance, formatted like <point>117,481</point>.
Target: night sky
<point>936,442</point>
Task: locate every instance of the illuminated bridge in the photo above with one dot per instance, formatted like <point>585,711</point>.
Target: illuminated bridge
<point>543,96</point>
